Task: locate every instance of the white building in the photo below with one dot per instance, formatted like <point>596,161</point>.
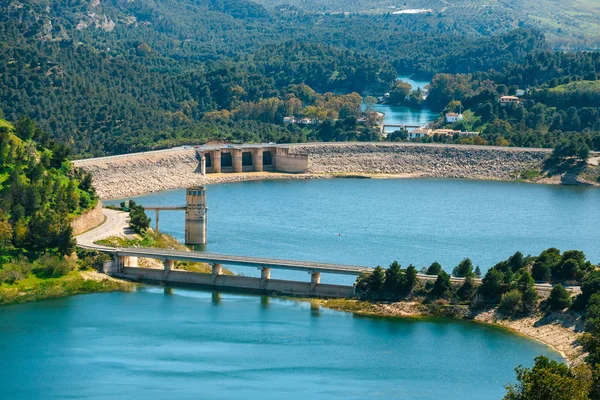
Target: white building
<point>418,133</point>
<point>454,117</point>
<point>508,99</point>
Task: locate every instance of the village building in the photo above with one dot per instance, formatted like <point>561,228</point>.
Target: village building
<point>508,99</point>
<point>418,133</point>
<point>453,117</point>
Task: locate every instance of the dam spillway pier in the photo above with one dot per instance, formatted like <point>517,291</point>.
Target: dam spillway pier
<point>225,158</point>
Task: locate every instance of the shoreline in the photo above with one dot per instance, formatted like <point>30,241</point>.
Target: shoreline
<point>551,333</point>
<point>231,177</point>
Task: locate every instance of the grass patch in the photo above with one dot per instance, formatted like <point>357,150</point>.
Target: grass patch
<point>529,174</point>
<point>32,288</point>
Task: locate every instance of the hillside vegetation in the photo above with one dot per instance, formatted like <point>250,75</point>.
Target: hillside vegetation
<point>39,195</point>
<point>113,77</point>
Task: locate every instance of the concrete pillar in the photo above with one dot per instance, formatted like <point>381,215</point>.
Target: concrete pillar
<point>203,166</point>
<point>236,159</point>
<point>157,212</point>
<point>217,269</point>
<point>114,266</point>
<point>257,159</point>
<point>216,161</point>
<point>168,264</point>
<point>129,261</point>
<point>315,279</point>
<point>265,275</point>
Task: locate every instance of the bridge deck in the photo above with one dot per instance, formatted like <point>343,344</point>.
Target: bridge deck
<point>167,208</point>
<point>256,262</point>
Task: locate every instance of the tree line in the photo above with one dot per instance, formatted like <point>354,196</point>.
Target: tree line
<point>40,193</point>
<point>510,286</point>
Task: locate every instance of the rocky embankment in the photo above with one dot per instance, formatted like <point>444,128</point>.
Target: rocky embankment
<point>443,161</point>
<point>135,174</point>
<point>561,331</point>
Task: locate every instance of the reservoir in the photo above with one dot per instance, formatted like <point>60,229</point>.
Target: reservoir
<point>183,344</point>
<point>159,343</point>
<point>372,222</point>
<point>396,115</point>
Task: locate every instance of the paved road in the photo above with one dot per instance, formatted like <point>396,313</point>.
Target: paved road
<point>116,223</point>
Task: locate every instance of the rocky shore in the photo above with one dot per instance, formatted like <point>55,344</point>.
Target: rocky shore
<point>135,174</point>
<point>441,161</point>
<point>560,331</point>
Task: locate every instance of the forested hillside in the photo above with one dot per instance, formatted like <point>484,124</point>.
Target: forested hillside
<point>112,76</point>
<point>568,24</point>
<point>39,193</point>
<point>560,101</point>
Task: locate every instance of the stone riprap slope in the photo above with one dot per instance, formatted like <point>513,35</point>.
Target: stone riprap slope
<point>134,174</point>
<point>444,161</point>
<point>138,173</point>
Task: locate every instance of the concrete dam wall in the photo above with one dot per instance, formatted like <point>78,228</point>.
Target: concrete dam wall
<point>134,174</point>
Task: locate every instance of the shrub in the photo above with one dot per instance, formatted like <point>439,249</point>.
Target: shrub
<point>529,300</point>
<point>49,266</point>
<point>434,269</point>
<point>464,268</point>
<point>492,285</point>
<point>442,284</point>
<point>559,298</point>
<point>510,304</point>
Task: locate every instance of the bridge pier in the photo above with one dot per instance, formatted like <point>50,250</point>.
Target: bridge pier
<point>217,269</point>
<point>157,213</point>
<point>315,279</point>
<point>168,264</point>
<point>128,261</point>
<point>265,275</point>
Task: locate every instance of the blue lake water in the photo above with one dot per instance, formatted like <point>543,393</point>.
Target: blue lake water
<point>375,221</point>
<point>414,83</point>
<point>396,115</point>
<point>184,344</point>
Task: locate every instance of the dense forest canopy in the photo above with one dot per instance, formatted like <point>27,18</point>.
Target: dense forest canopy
<point>39,193</point>
<point>113,76</point>
<point>560,101</point>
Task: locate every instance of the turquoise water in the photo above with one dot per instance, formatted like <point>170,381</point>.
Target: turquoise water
<point>414,83</point>
<point>373,222</point>
<point>395,115</point>
<point>193,345</point>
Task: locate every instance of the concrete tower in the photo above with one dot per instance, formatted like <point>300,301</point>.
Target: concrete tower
<point>195,215</point>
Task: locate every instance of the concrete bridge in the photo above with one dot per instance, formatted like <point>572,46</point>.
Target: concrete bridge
<point>400,126</point>
<point>124,264</point>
